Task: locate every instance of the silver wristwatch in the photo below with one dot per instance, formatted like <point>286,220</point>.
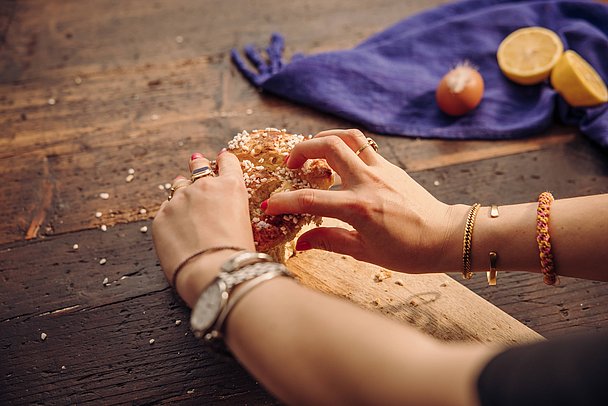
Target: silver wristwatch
<point>212,302</point>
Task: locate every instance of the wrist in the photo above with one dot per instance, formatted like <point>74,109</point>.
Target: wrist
<point>199,273</point>
<point>449,256</point>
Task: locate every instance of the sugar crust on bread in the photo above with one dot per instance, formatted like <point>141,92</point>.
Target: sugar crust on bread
<point>262,154</point>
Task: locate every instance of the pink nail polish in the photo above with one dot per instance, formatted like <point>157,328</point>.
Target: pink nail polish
<point>303,246</point>
<point>196,155</point>
<point>264,205</point>
<point>285,159</point>
<point>222,151</point>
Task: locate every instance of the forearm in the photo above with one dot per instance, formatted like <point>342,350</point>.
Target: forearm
<point>578,228</point>
<point>310,348</point>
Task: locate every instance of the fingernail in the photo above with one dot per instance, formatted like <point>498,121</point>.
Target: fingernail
<point>285,159</point>
<point>264,205</point>
<point>303,245</point>
<point>196,155</point>
<point>222,151</point>
<point>178,177</point>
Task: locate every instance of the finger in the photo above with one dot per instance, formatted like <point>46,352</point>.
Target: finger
<point>337,154</point>
<point>228,164</point>
<point>333,239</point>
<point>178,183</point>
<point>355,139</point>
<point>327,203</point>
<point>200,167</point>
<point>197,160</point>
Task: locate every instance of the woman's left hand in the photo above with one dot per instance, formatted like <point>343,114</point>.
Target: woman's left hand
<point>210,212</point>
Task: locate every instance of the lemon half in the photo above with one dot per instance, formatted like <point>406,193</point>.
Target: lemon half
<point>577,82</point>
<point>528,55</point>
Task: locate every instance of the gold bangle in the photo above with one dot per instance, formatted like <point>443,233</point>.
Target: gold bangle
<point>467,241</point>
<point>492,272</point>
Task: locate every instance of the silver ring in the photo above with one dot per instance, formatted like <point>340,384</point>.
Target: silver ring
<point>201,173</point>
<point>370,143</point>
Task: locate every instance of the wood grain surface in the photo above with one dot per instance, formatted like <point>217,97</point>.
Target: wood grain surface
<point>434,303</point>
<point>91,89</point>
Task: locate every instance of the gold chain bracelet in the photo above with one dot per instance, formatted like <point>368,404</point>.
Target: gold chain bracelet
<point>467,241</point>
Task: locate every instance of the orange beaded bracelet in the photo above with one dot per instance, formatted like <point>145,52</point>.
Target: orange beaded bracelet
<point>547,265</point>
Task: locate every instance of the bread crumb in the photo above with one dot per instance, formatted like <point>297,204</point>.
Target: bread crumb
<point>75,246</point>
<point>102,261</point>
<point>144,229</point>
<point>105,281</point>
<point>399,282</point>
<point>382,275</point>
<point>98,214</point>
<point>104,195</point>
<point>43,336</point>
<point>152,341</point>
<point>178,322</point>
<point>104,227</point>
<point>129,178</point>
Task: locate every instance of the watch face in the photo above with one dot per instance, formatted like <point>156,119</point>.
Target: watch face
<point>207,308</point>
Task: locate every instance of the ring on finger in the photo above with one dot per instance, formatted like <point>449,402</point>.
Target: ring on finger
<point>173,189</point>
<point>201,173</point>
<point>369,143</point>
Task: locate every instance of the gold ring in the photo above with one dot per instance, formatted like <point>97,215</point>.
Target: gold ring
<point>369,143</point>
<point>201,173</point>
<point>172,191</point>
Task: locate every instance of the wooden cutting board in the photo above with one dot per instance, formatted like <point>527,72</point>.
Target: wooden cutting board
<point>434,303</point>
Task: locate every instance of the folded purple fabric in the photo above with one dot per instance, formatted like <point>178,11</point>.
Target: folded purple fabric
<point>387,83</point>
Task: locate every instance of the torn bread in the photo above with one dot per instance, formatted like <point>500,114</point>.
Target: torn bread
<point>262,154</point>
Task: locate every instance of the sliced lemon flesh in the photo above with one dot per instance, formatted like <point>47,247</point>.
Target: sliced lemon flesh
<point>526,56</point>
<point>577,82</point>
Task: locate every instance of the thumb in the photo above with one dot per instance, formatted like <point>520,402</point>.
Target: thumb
<point>333,239</point>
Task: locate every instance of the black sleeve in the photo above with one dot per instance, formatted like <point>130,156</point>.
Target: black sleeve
<point>566,371</point>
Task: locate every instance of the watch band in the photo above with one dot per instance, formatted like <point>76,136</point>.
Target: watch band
<point>268,271</point>
<point>238,261</point>
<point>235,271</point>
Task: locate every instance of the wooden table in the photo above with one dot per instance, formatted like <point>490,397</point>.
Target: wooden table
<point>92,89</point>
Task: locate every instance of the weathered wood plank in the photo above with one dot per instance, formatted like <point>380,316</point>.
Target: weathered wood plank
<point>575,306</point>
<point>7,13</point>
<point>102,354</point>
<point>576,168</point>
<point>52,35</point>
<point>434,303</point>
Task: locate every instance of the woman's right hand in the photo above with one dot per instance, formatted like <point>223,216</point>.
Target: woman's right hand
<point>398,224</point>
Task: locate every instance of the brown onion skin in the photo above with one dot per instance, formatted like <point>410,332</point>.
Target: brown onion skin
<point>460,103</point>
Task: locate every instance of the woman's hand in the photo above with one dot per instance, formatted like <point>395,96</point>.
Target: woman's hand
<point>211,212</point>
<point>398,224</point>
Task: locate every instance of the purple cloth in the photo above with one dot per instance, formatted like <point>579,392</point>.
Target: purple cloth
<point>387,83</point>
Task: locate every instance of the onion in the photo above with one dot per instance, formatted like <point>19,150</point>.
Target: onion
<point>460,90</point>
